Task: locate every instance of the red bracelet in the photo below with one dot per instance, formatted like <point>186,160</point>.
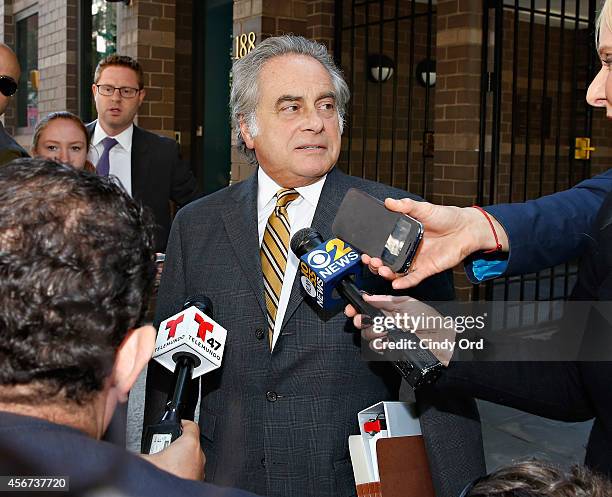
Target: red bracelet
<point>498,246</point>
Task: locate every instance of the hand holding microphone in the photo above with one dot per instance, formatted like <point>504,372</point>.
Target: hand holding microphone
<point>322,277</point>
<point>183,457</point>
<point>190,344</point>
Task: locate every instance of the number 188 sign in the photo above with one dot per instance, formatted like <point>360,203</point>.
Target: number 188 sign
<point>243,44</point>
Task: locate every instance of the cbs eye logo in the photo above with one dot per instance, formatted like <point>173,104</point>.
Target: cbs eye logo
<point>318,259</point>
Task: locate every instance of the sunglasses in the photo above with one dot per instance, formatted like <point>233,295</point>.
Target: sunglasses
<point>8,86</point>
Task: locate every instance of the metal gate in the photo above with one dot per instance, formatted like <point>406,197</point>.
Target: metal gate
<point>538,59</point>
<point>384,48</point>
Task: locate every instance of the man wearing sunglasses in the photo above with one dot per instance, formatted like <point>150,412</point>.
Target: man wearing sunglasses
<point>9,75</point>
<point>148,165</point>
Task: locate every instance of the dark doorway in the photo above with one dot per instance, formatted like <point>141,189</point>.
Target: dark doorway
<point>211,150</point>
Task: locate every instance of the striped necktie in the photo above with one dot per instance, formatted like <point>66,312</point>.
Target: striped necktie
<point>274,251</point>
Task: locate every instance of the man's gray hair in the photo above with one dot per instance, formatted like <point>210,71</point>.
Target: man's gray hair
<point>245,91</point>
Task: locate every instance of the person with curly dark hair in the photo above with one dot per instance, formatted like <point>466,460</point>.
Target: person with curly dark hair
<point>539,479</point>
<point>76,266</point>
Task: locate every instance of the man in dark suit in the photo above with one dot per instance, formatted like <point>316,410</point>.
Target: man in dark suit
<point>74,278</point>
<point>275,418</point>
<point>10,73</point>
<point>148,165</point>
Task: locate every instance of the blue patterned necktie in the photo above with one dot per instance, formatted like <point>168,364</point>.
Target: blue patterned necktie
<point>103,166</point>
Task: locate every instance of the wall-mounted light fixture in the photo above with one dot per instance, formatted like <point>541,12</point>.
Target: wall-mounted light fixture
<point>424,69</point>
<point>380,68</point>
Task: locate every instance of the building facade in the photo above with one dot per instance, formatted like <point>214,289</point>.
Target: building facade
<point>460,101</point>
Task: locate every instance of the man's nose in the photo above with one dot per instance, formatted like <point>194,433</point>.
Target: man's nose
<point>312,120</point>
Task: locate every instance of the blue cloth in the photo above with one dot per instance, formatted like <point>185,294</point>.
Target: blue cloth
<point>37,447</point>
<point>483,269</point>
<point>543,232</point>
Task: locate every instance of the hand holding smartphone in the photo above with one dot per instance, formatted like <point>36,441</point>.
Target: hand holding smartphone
<point>366,224</point>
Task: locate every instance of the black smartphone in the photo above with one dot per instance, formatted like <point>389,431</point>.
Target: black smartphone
<point>367,225</point>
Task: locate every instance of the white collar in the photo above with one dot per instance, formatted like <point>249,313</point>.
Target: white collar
<point>267,189</point>
<point>124,138</point>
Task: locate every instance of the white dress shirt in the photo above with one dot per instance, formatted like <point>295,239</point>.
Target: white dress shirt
<point>300,212</point>
<point>119,157</point>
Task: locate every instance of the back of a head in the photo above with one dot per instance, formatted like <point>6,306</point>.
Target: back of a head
<point>540,479</point>
<point>76,263</point>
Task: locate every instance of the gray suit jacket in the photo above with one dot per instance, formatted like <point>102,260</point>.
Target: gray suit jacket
<point>277,424</point>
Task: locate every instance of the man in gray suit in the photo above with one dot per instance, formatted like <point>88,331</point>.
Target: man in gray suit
<point>275,418</point>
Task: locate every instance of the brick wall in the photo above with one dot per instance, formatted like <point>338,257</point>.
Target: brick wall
<point>146,30</point>
<point>57,56</point>
<point>269,18</point>
<point>7,26</point>
<point>320,22</point>
<point>457,107</point>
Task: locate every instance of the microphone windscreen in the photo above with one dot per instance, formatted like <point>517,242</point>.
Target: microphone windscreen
<point>304,241</point>
<point>201,302</point>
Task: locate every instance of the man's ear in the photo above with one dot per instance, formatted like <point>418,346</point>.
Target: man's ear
<point>246,134</point>
<point>132,356</point>
<point>141,96</point>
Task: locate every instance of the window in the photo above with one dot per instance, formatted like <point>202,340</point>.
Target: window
<point>103,37</point>
<point>104,30</point>
<point>27,54</point>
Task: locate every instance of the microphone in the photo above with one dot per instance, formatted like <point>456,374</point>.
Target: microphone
<point>190,344</point>
<point>418,366</point>
<point>324,266</point>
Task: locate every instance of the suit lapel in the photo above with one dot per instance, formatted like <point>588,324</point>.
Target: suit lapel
<point>139,158</point>
<point>240,220</point>
<point>329,201</point>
